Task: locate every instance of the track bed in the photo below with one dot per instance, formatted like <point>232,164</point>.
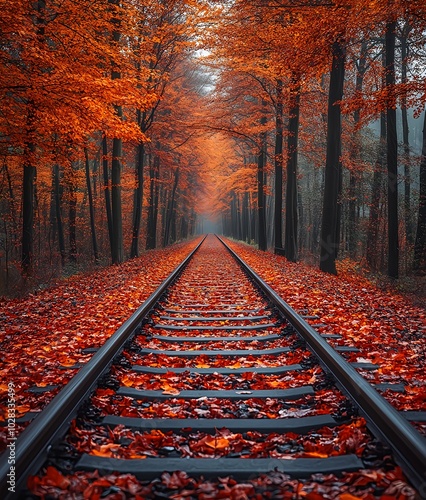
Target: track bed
<point>215,393</point>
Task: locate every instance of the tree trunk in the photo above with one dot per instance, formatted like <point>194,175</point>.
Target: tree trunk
<point>117,221</point>
<point>72,217</point>
<point>355,154</point>
<point>330,216</point>
<point>419,263</point>
<point>392,154</point>
<point>170,210</point>
<point>409,229</point>
<point>138,201</point>
<point>107,192</point>
<point>151,236</point>
<point>245,218</point>
<point>278,244</point>
<point>58,214</point>
<point>261,215</point>
<point>291,214</point>
<point>28,190</point>
<point>91,208</point>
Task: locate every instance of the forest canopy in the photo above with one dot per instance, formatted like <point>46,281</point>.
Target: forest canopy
<point>295,125</point>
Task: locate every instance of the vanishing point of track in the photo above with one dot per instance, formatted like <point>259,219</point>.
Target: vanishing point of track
<point>206,340</point>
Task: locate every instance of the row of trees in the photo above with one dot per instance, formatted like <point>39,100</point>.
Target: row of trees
<point>98,156</point>
<point>313,76</point>
<point>117,132</point>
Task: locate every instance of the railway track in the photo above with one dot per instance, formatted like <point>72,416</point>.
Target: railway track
<point>214,376</point>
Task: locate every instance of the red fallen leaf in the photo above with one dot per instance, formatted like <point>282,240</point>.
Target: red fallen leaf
<point>348,496</point>
<point>21,410</point>
<point>54,478</point>
<point>105,392</point>
<point>128,483</point>
<point>175,480</point>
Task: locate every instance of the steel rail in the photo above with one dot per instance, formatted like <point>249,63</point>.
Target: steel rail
<point>384,421</point>
<point>32,446</point>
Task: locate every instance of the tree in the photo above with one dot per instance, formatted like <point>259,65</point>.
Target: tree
<point>419,264</point>
<point>330,229</point>
<point>291,223</point>
<point>392,153</point>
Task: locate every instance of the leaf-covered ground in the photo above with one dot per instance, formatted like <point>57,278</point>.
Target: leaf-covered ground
<point>53,327</point>
<point>387,328</point>
<point>43,335</point>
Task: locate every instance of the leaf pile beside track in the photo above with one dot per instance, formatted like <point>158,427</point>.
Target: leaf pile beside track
<point>42,336</point>
<point>386,327</point>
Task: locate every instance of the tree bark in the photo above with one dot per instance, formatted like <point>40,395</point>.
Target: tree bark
<point>333,168</point>
<point>170,210</point>
<point>138,200</point>
<point>261,215</point>
<point>107,192</point>
<point>28,187</point>
<point>91,208</point>
<point>409,229</point>
<point>151,236</point>
<point>278,244</point>
<point>419,263</point>
<point>117,220</point>
<point>392,154</point>
<point>58,214</point>
<point>291,214</point>
<point>117,224</point>
<point>72,221</point>
<point>356,153</point>
<point>28,190</point>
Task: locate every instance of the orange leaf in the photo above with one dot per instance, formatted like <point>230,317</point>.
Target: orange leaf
<point>171,392</point>
<point>127,381</point>
<point>218,444</point>
<point>106,450</point>
<point>314,454</point>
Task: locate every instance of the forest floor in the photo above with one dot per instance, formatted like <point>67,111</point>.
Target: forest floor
<point>42,336</point>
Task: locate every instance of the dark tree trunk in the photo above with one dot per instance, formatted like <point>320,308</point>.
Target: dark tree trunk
<point>245,217</point>
<point>154,173</point>
<point>291,214</point>
<point>117,221</point>
<point>372,252</point>
<point>58,213</point>
<point>419,263</point>
<point>170,210</point>
<point>392,155</point>
<point>138,200</point>
<point>333,169</point>
<point>409,229</point>
<point>72,217</point>
<point>28,193</point>
<point>253,219</point>
<point>278,244</point>
<point>261,213</point>
<point>91,208</point>
<point>107,191</point>
<point>355,154</point>
<point>28,187</point>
